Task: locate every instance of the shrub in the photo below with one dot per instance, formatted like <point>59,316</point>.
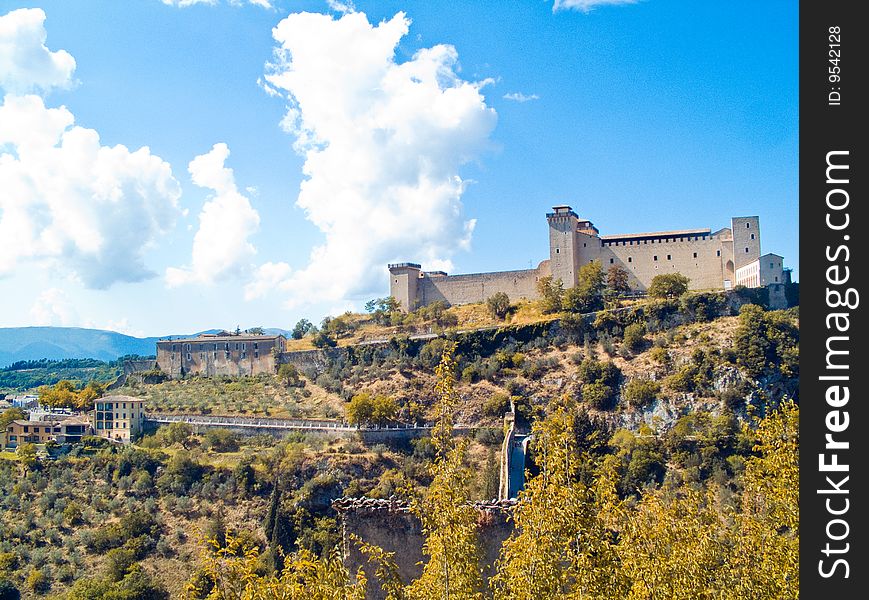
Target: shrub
<point>498,305</point>
<point>635,337</point>
<point>496,405</point>
<point>660,355</point>
<point>641,392</point>
<point>221,440</point>
<point>37,582</point>
<point>8,591</point>
<point>598,395</point>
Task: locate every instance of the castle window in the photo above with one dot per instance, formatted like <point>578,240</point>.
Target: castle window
<point>189,356</point>
<point>655,257</point>
<point>558,251</point>
<point>256,353</point>
<point>396,281</point>
<point>718,253</point>
<point>747,225</point>
<point>629,259</point>
<point>669,257</point>
<point>695,255</point>
<point>584,244</point>
<point>746,250</point>
<point>776,278</point>
<point>243,354</point>
<point>752,236</point>
<point>771,265</point>
<point>611,261</point>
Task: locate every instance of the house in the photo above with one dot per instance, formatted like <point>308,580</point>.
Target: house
<point>67,431</point>
<point>118,418</point>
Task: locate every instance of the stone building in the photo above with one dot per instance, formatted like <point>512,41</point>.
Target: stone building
<point>220,354</point>
<point>712,260</point>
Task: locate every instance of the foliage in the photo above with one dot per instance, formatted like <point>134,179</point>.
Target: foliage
<point>323,340</point>
<point>382,309</point>
<point>635,337</point>
<point>498,305</point>
<point>289,375</point>
<point>220,440</point>
<point>551,294</point>
<point>617,280</point>
<point>8,591</point>
<point>64,394</point>
<point>9,415</point>
<point>559,547</point>
<point>301,329</point>
<point>587,294</point>
<point>766,341</point>
<point>668,285</point>
<point>365,409</point>
<point>639,393</point>
<point>31,374</point>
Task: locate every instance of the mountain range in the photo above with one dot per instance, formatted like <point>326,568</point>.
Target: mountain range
<point>33,343</point>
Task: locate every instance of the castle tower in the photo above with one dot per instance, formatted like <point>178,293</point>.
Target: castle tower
<point>563,257</point>
<point>746,240</point>
<point>404,284</point>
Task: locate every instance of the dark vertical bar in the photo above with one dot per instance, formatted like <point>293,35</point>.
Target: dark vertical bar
<point>832,353</point>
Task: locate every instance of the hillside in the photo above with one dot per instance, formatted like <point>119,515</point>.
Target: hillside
<point>659,399</point>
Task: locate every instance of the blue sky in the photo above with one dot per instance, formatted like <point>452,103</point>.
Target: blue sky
<point>168,166</point>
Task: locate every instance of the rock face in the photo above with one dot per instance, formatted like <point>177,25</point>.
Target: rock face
<point>391,525</point>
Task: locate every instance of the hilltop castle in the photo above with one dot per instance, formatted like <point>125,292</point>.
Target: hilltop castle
<point>711,260</point>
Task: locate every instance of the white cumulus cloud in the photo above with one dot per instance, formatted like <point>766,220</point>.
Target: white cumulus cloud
<point>186,3</point>
<point>587,5</point>
<point>52,307</point>
<point>267,277</point>
<point>382,142</point>
<point>520,97</point>
<point>66,201</point>
<point>88,209</point>
<point>26,64</point>
<point>220,246</point>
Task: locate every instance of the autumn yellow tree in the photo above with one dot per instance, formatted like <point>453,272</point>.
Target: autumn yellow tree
<point>764,562</point>
<point>449,522</point>
<point>560,547</point>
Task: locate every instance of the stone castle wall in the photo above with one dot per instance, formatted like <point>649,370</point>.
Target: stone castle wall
<point>477,287</point>
<point>391,526</point>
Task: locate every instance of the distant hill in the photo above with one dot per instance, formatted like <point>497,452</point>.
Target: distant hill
<point>33,343</point>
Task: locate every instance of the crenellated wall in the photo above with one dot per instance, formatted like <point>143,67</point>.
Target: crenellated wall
<point>475,287</point>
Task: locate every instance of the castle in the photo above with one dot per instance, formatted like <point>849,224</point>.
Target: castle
<point>711,260</point>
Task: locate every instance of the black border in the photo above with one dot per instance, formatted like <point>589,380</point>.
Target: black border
<point>824,128</point>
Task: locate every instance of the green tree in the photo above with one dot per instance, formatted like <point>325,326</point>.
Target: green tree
<point>668,285</point>
<point>587,294</point>
<point>301,329</point>
<point>639,393</point>
<point>26,453</point>
<point>551,294</point>
<point>323,340</point>
<point>365,409</point>
<point>635,337</point>
<point>617,280</point>
<point>9,415</point>
<point>289,375</point>
<point>498,305</point>
<point>256,331</point>
<point>180,434</point>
